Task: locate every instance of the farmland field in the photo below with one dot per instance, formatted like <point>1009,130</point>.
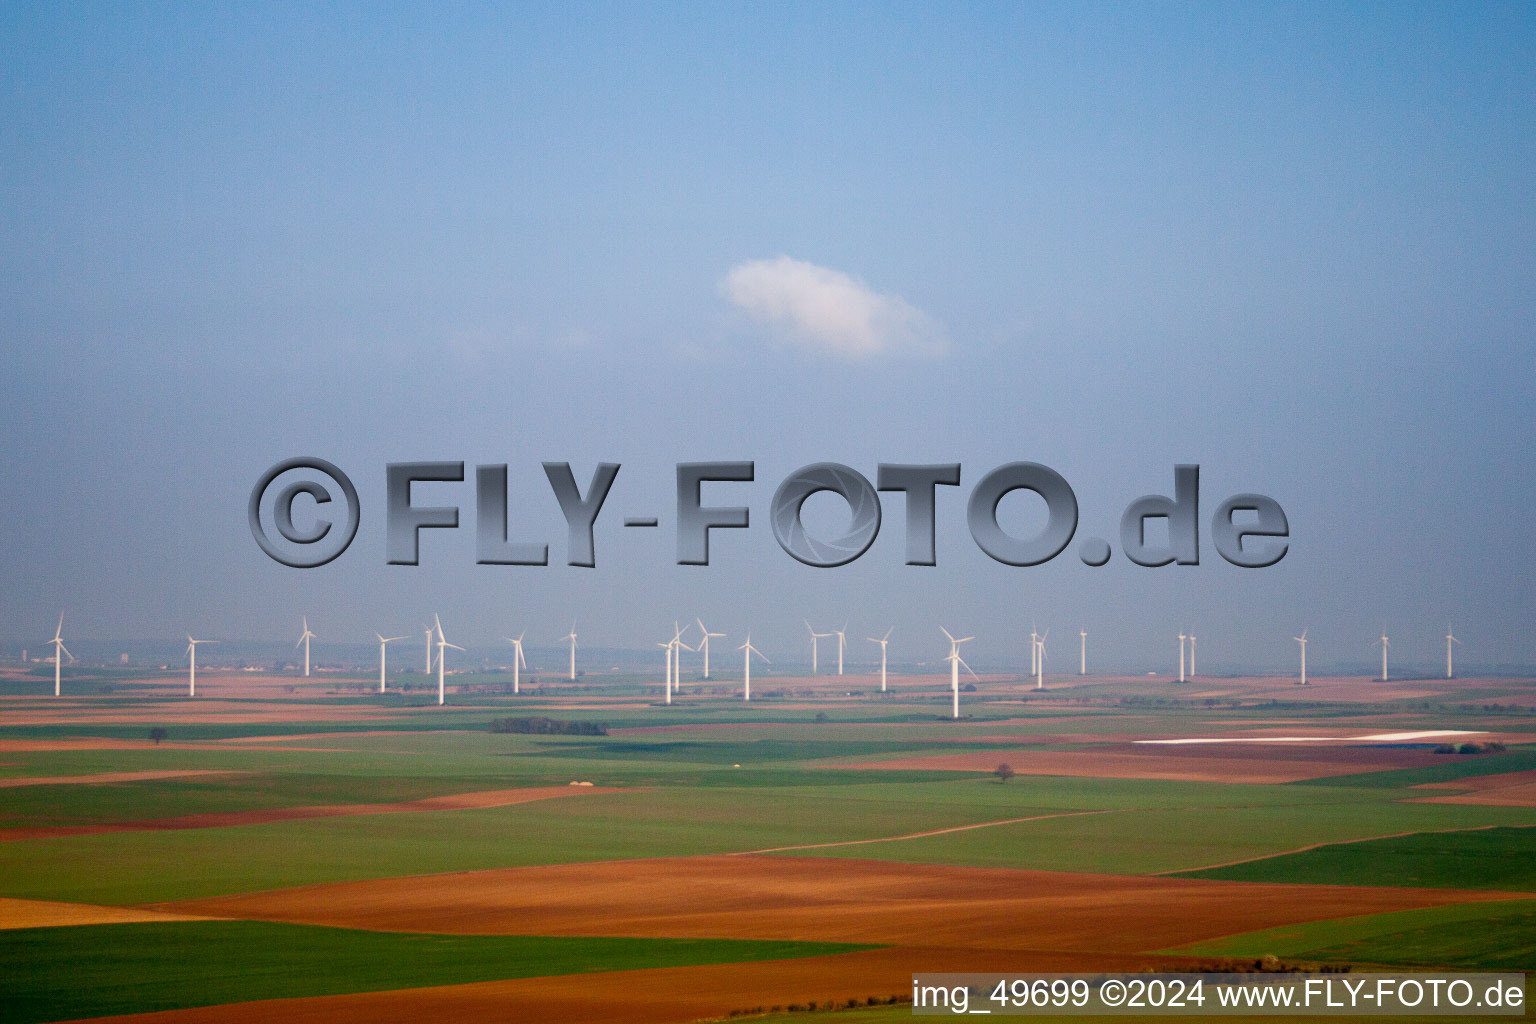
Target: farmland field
<point>368,856</point>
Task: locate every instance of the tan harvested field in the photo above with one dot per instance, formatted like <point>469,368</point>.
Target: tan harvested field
<point>807,898</point>
<point>455,802</point>
<point>50,914</point>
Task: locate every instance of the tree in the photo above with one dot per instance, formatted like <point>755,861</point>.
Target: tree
<point>1004,772</point>
<point>158,734</point>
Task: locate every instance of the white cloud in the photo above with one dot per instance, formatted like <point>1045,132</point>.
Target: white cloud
<point>830,312</point>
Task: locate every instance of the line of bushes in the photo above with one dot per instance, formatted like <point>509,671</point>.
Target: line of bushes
<point>1491,747</point>
<point>548,727</point>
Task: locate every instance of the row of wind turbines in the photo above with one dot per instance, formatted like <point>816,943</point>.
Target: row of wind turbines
<point>674,647</point>
<point>1450,642</point>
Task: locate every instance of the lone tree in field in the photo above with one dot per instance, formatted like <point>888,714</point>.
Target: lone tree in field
<point>158,734</point>
<point>1004,772</point>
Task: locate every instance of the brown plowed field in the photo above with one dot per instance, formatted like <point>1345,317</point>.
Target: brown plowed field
<point>834,900</point>
<point>455,802</point>
<point>1509,789</point>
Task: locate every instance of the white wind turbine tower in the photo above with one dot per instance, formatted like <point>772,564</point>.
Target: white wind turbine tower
<point>192,664</point>
<point>678,647</point>
<point>674,659</point>
<point>382,641</point>
<point>746,657</point>
<point>1082,664</point>
<point>882,642</point>
<point>704,644</point>
<point>571,636</point>
<point>304,639</point>
<point>442,641</point>
<point>955,661</point>
<point>677,655</point>
<point>841,641</point>
<point>1182,638</point>
<point>815,636</point>
<point>1191,655</point>
<point>1040,660</point>
<point>1034,649</point>
<point>518,660</point>
<point>59,651</point>
<point>1449,639</point>
<point>1385,643</point>
<point>1303,641</point>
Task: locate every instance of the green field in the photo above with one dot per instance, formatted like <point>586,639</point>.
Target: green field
<point>51,974</point>
<point>719,780</point>
<point>1497,858</point>
<point>686,799</point>
<point>1496,936</point>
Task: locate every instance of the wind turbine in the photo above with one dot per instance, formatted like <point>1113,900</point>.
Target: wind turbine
<point>517,658</point>
<point>1385,643</point>
<point>429,648</point>
<point>192,664</point>
<point>815,636</point>
<point>955,661</point>
<point>1449,639</point>
<point>442,641</point>
<point>304,638</point>
<point>571,636</point>
<point>1082,664</point>
<point>841,641</point>
<point>882,642</point>
<point>1182,638</point>
<point>1191,655</point>
<point>746,657</point>
<point>1034,649</point>
<point>704,644</point>
<point>382,641</point>
<point>59,650</point>
<point>1303,641</point>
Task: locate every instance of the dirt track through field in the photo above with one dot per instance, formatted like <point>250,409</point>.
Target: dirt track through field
<point>455,802</point>
<point>821,899</point>
<point>923,835</point>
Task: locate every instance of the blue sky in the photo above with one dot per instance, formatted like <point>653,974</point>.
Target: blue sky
<point>1292,243</point>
